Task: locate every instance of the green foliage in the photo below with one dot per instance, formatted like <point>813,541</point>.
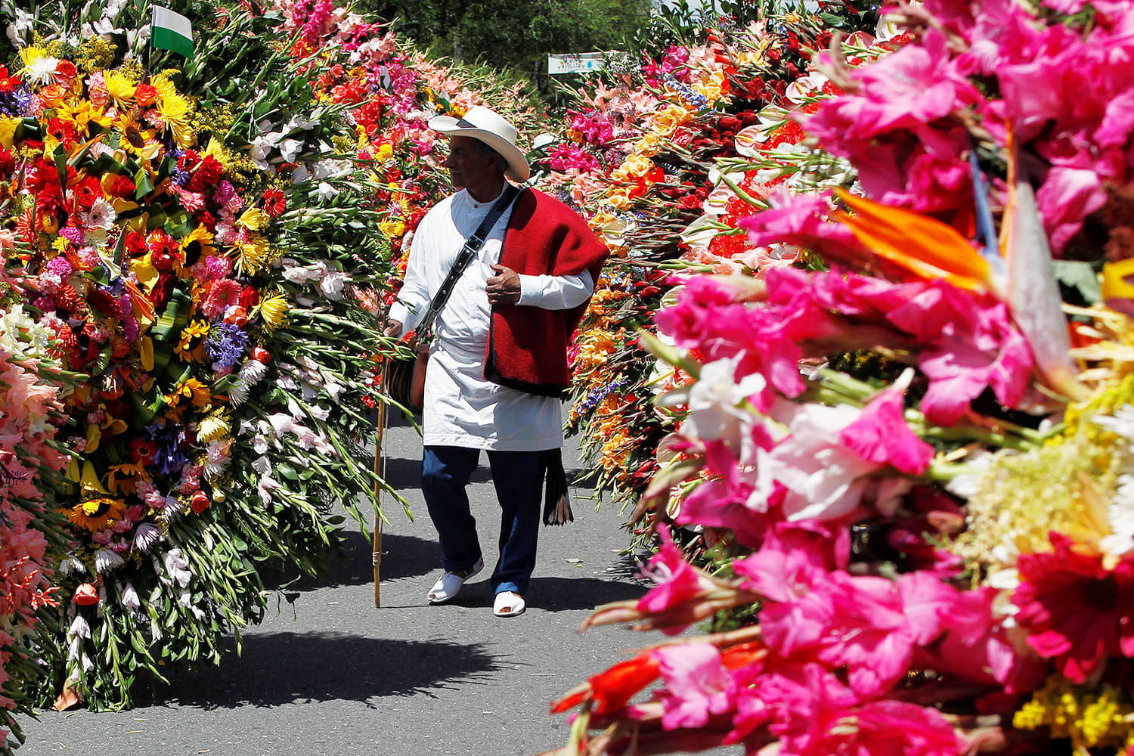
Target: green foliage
<point>511,35</point>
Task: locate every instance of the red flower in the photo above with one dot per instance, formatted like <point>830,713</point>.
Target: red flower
<point>249,297</point>
<point>85,595</point>
<point>120,186</point>
<point>65,71</point>
<point>199,503</point>
<point>8,83</point>
<point>613,689</point>
<point>145,95</point>
<point>274,202</point>
<point>206,175</point>
<point>1075,609</point>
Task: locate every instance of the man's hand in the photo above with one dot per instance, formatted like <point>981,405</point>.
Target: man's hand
<point>504,287</point>
<point>393,329</point>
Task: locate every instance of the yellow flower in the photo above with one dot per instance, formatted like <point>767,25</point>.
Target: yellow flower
<point>635,166</point>
<point>192,339</point>
<point>96,514</point>
<point>197,245</point>
<point>8,130</point>
<point>667,120</point>
<point>121,88</point>
<point>392,228</point>
<point>214,428</point>
<point>273,309</point>
<point>176,110</point>
<point>196,392</point>
<point>253,255</point>
<point>219,152</point>
<point>385,152</point>
<point>712,87</point>
<point>254,219</point>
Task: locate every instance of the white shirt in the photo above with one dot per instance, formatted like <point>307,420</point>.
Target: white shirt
<point>461,407</point>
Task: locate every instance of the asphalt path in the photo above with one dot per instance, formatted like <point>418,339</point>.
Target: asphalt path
<point>331,674</point>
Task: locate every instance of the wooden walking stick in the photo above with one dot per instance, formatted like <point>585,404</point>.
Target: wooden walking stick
<point>380,471</point>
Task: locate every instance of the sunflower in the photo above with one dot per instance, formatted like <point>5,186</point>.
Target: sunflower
<point>96,514</point>
<point>198,244</point>
<point>273,309</point>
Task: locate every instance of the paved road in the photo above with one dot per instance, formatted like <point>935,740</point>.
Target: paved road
<point>337,676</point>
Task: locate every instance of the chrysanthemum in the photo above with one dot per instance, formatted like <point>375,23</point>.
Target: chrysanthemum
<point>146,536</point>
<point>39,67</point>
<point>273,309</point>
<point>214,427</point>
<point>253,255</point>
<point>96,514</point>
<point>120,88</point>
<point>106,560</point>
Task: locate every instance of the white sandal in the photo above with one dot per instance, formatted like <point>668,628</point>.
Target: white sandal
<point>508,604</point>
<point>449,584</point>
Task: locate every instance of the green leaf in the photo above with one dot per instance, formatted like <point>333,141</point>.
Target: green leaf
<point>142,183</point>
<point>1079,276</point>
<point>287,471</point>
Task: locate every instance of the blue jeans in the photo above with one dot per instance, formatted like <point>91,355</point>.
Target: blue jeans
<point>518,477</point>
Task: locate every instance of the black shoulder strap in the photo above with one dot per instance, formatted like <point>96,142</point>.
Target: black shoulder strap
<point>468,252</point>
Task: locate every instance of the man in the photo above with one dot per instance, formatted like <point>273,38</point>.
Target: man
<point>498,361</point>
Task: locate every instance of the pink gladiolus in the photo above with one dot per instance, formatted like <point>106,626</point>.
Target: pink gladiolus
<point>677,582</point>
<point>697,685</point>
<point>798,220</point>
<point>881,435</point>
<point>977,647</point>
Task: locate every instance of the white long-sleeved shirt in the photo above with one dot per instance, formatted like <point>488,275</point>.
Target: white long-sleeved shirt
<point>461,407</point>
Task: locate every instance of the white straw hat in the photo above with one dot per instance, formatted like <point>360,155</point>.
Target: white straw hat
<point>489,127</point>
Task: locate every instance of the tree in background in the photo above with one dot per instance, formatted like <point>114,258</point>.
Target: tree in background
<point>514,35</point>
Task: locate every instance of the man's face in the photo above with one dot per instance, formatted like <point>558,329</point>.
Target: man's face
<point>467,165</point>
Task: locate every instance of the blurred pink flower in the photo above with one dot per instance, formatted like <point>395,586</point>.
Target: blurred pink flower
<point>697,685</point>
<point>881,434</point>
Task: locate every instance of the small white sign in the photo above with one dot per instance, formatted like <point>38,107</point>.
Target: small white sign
<point>576,63</point>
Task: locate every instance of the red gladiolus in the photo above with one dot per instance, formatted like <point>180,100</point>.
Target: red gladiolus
<point>260,354</point>
<point>1075,609</point>
<point>612,689</point>
<point>85,595</point>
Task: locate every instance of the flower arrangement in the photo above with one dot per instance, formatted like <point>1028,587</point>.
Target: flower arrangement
<point>906,454</point>
<point>212,286</point>
<point>639,163</point>
<point>30,464</point>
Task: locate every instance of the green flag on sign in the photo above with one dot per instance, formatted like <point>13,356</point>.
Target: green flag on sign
<point>171,31</point>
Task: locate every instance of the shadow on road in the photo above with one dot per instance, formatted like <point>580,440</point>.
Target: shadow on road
<point>404,556</point>
<point>283,668</point>
<point>558,594</point>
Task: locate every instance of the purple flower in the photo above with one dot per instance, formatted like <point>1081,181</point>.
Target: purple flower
<point>225,345</point>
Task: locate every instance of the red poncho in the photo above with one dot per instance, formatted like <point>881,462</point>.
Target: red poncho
<point>527,346</point>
